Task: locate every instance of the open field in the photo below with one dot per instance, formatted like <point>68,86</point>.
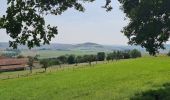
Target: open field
<point>53,53</point>
<point>119,80</point>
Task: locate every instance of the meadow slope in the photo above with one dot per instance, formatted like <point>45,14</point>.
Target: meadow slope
<point>112,81</point>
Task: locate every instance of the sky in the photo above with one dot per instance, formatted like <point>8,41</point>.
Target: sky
<point>94,25</point>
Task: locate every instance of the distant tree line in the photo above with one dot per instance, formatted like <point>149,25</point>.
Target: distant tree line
<point>100,56</point>
<point>116,55</point>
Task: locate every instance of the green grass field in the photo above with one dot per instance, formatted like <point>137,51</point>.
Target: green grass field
<point>53,53</point>
<point>119,80</point>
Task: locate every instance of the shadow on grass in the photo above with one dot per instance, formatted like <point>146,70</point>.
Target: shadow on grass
<point>161,94</point>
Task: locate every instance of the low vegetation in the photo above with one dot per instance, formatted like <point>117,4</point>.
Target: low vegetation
<point>118,80</point>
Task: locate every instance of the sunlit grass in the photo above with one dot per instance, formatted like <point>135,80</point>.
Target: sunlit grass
<point>113,81</point>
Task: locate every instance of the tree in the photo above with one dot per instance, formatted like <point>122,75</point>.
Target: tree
<point>149,24</point>
<point>101,56</point>
<point>89,58</point>
<point>62,59</point>
<point>25,24</point>
<point>109,57</point>
<point>36,57</point>
<point>79,59</point>
<point>119,55</point>
<point>71,59</point>
<point>45,63</point>
<point>126,54</point>
<point>135,53</point>
<point>30,63</point>
<point>114,55</point>
<point>58,62</point>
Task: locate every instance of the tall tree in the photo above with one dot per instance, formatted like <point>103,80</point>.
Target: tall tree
<point>24,19</point>
<point>149,24</point>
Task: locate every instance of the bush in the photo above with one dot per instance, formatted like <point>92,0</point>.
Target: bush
<point>62,59</point>
<point>135,53</point>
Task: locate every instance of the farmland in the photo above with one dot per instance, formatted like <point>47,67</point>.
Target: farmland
<point>119,80</point>
<point>53,53</point>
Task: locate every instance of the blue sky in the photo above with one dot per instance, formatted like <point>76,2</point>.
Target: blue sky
<point>94,25</point>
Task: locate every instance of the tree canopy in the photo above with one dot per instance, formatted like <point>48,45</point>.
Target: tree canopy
<point>25,24</point>
<point>149,24</point>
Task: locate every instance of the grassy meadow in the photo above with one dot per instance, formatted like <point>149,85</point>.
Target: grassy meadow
<point>53,53</point>
<point>117,80</point>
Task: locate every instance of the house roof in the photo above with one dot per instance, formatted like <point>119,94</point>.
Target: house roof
<point>13,61</point>
<point>13,67</point>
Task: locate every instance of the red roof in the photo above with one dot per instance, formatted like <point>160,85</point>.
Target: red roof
<point>13,67</point>
<point>13,61</point>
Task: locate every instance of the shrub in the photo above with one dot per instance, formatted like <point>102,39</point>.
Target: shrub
<point>135,53</point>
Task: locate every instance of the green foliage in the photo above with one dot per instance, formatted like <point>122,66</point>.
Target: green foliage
<point>45,63</point>
<point>126,54</point>
<point>109,56</point>
<point>36,57</point>
<point>71,59</point>
<point>116,55</point>
<point>159,94</point>
<point>79,59</point>
<point>119,55</point>
<point>135,53</point>
<point>25,24</point>
<point>100,56</point>
<point>149,24</point>
<point>89,58</point>
<point>62,59</point>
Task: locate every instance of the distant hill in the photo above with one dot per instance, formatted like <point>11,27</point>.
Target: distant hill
<point>88,46</point>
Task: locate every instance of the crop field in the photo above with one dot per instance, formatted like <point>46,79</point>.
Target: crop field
<point>144,78</point>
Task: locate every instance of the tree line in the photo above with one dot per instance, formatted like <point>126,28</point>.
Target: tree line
<point>100,56</point>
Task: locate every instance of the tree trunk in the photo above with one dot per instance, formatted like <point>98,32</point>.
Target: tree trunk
<point>90,63</point>
<point>45,69</point>
<point>30,69</point>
